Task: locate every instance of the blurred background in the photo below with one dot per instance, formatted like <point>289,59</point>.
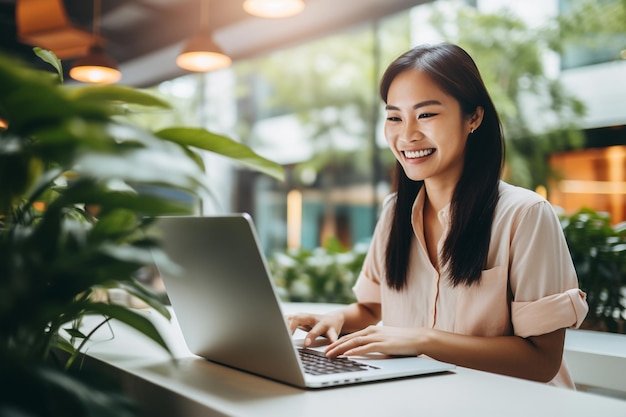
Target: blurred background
<point>302,90</point>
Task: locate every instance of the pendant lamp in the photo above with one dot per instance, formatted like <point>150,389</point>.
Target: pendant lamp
<point>96,67</point>
<point>201,53</point>
<point>273,8</point>
<point>45,23</point>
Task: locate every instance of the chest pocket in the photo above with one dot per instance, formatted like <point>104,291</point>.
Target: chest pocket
<point>483,309</point>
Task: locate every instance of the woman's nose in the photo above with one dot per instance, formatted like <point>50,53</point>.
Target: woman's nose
<point>411,131</point>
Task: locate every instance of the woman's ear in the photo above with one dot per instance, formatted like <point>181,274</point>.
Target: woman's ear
<point>476,118</point>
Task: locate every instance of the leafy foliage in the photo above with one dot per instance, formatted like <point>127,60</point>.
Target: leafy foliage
<point>599,254</point>
<point>594,23</point>
<point>81,186</point>
<point>325,274</point>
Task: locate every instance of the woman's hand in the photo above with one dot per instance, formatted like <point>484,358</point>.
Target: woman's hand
<point>381,339</point>
<point>316,325</point>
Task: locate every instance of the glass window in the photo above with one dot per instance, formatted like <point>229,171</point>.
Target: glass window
<point>597,36</point>
<point>315,108</point>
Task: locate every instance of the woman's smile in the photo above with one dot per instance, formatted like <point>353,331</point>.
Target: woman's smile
<point>422,153</point>
<point>425,128</point>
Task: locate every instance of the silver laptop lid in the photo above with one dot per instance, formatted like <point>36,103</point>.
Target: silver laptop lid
<point>224,299</point>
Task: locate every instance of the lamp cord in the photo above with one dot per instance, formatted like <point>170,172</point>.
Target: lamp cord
<point>204,14</point>
<point>96,20</point>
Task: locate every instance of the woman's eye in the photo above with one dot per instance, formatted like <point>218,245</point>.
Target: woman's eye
<point>426,115</point>
<point>393,119</point>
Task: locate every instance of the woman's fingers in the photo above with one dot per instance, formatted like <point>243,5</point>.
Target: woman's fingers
<point>310,323</point>
<point>381,339</point>
<point>332,335</point>
<point>314,325</point>
<point>301,321</point>
<point>347,344</point>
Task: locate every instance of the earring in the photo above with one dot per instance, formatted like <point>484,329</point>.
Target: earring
<point>471,131</point>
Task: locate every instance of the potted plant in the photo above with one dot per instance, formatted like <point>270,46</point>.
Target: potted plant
<point>325,274</point>
<point>598,250</point>
<point>77,199</point>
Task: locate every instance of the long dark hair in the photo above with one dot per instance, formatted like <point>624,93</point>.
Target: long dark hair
<point>476,194</point>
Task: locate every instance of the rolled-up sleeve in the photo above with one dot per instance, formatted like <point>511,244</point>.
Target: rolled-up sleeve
<point>534,318</point>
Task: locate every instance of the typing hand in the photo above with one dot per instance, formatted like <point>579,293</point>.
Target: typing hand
<point>328,325</point>
<point>381,339</point>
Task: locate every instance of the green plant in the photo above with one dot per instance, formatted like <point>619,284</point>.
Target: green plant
<point>324,274</point>
<point>79,188</point>
<point>599,253</point>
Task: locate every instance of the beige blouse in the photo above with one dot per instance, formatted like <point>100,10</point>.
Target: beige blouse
<point>529,288</point>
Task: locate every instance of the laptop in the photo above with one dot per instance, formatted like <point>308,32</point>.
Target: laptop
<point>229,312</point>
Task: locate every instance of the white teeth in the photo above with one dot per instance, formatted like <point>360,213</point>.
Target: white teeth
<point>418,154</point>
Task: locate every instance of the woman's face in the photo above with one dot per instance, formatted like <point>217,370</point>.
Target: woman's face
<point>426,129</point>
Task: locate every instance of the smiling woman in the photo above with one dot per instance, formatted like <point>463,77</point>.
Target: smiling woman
<point>443,113</point>
<point>461,264</point>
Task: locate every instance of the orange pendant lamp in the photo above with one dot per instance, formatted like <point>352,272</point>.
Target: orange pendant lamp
<point>201,53</point>
<point>45,23</point>
<point>96,67</point>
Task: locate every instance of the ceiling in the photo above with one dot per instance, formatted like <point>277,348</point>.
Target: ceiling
<point>145,36</point>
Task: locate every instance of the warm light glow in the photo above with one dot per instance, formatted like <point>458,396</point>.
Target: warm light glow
<point>294,219</point>
<point>39,206</point>
<point>95,74</point>
<point>593,178</point>
<point>592,187</point>
<point>616,156</point>
<point>203,61</point>
<point>97,67</point>
<point>4,125</point>
<point>201,53</point>
<point>273,8</point>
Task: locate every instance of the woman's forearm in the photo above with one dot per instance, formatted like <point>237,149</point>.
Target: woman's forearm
<point>536,358</point>
<point>357,316</point>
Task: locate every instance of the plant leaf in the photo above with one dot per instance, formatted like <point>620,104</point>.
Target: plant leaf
<point>75,333</point>
<point>131,318</point>
<point>157,167</point>
<point>88,192</point>
<point>135,289</point>
<point>117,94</point>
<point>222,145</point>
<point>51,58</point>
<point>63,344</point>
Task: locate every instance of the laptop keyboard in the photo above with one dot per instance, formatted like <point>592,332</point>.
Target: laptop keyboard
<point>316,363</point>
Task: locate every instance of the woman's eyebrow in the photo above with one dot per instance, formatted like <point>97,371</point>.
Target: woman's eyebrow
<point>415,106</point>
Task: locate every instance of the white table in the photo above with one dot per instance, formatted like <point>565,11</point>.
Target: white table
<point>191,386</point>
<point>597,359</point>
